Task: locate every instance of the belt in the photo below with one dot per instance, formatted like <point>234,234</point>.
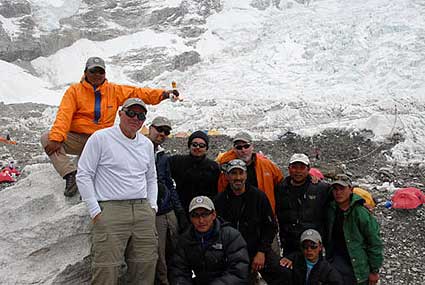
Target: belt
<point>129,201</point>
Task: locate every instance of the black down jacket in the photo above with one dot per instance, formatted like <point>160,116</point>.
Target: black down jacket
<point>322,272</point>
<point>217,258</point>
<point>299,208</point>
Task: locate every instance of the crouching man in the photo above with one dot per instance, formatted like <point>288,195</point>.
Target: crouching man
<point>212,249</point>
<point>117,180</point>
<point>309,267</point>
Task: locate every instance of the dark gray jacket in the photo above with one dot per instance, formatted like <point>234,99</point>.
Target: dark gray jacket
<point>299,208</point>
<point>218,257</point>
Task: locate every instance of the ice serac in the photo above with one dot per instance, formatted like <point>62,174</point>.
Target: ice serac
<point>39,28</point>
<point>44,237</point>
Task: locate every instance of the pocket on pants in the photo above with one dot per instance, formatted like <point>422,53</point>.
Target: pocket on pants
<point>99,248</point>
<point>101,237</point>
<point>106,250</point>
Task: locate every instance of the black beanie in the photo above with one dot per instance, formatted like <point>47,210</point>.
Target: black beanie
<point>198,134</point>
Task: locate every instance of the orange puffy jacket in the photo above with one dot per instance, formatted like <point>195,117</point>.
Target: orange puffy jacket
<point>268,174</point>
<point>77,109</point>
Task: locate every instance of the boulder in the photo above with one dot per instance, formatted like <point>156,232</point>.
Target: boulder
<point>44,236</point>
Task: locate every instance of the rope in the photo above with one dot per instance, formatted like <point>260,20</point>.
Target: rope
<point>396,118</point>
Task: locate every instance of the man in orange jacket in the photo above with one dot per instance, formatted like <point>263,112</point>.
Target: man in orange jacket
<point>261,171</point>
<point>86,107</point>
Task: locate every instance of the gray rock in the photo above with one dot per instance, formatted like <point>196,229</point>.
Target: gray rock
<point>100,21</point>
<point>261,4</point>
<point>15,8</point>
<point>42,232</point>
<point>185,60</point>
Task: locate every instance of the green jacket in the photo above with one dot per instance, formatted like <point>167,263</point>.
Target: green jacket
<point>361,232</point>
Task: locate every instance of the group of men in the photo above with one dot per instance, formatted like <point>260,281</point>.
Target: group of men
<point>186,219</point>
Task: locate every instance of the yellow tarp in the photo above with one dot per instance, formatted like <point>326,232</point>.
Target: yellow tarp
<point>365,195</point>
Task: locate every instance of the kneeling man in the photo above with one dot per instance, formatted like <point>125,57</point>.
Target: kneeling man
<point>212,249</point>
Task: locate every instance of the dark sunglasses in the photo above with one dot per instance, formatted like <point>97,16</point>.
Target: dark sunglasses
<point>242,146</point>
<point>164,130</point>
<point>200,215</point>
<point>200,145</point>
<point>311,246</point>
<point>96,70</point>
<point>131,114</point>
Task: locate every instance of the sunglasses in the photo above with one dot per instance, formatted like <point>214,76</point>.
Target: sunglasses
<point>164,130</point>
<point>200,215</point>
<point>309,246</point>
<point>96,70</point>
<point>131,114</point>
<point>236,162</point>
<point>242,146</point>
<point>200,145</point>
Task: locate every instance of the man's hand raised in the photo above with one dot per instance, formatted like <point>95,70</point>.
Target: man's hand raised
<point>173,95</point>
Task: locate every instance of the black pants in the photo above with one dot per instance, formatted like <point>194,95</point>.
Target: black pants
<point>273,273</point>
<point>344,268</point>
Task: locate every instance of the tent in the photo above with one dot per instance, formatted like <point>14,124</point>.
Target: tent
<point>7,141</point>
<point>407,198</point>
<point>182,135</point>
<point>316,173</point>
<point>365,195</point>
<point>6,177</point>
<point>11,171</point>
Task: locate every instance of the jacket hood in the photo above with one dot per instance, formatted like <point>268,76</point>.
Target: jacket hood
<point>356,199</point>
<point>226,156</point>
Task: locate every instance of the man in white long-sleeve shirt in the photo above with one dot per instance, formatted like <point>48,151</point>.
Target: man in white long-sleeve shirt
<point>116,178</point>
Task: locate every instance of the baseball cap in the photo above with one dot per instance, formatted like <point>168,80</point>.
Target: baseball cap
<point>161,122</point>
<point>299,157</point>
<point>95,62</point>
<point>201,202</point>
<point>312,235</point>
<point>235,163</point>
<point>134,101</point>
<point>242,136</point>
<point>342,179</point>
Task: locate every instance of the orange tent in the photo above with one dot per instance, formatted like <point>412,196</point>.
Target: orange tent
<point>4,140</point>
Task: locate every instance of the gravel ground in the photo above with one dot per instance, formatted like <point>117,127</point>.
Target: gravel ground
<point>331,151</point>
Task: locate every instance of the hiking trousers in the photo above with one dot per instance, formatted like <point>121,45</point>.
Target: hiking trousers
<point>166,226</point>
<point>74,145</point>
<point>124,232</point>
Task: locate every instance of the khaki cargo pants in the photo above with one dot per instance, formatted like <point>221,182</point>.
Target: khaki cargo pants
<point>74,144</point>
<point>166,226</point>
<point>125,232</point>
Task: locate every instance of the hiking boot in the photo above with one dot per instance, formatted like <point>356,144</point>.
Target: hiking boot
<point>70,184</point>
